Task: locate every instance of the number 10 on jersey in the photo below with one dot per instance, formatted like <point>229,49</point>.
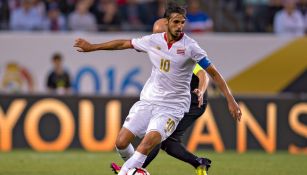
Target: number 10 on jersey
<point>165,65</point>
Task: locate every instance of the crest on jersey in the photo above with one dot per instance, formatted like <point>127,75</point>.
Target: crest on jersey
<point>180,51</point>
<point>158,47</point>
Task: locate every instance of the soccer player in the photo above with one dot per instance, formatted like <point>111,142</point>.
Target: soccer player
<point>166,94</point>
<point>173,145</point>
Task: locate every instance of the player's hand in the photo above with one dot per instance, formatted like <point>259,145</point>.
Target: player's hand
<point>235,110</point>
<point>200,96</point>
<point>83,45</point>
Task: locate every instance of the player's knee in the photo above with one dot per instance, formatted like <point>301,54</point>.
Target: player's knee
<point>121,142</point>
<point>124,138</point>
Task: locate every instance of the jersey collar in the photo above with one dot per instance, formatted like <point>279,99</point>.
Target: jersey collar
<point>169,45</point>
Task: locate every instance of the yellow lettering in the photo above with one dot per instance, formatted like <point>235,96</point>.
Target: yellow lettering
<point>86,124</point>
<point>8,122</point>
<point>67,127</point>
<point>298,127</point>
<point>247,121</point>
<point>213,136</point>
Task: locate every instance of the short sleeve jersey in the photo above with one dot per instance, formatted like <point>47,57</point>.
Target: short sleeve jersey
<point>169,82</point>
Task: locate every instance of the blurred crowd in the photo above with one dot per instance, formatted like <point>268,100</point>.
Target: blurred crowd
<point>279,16</point>
<point>80,15</point>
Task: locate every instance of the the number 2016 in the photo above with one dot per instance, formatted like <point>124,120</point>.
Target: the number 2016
<point>165,65</point>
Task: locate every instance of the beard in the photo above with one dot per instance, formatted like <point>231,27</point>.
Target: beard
<point>176,34</point>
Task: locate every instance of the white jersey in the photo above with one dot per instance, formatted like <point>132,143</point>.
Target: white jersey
<point>289,25</point>
<point>169,83</point>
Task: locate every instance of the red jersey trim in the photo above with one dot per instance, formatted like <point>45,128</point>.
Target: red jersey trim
<point>169,45</point>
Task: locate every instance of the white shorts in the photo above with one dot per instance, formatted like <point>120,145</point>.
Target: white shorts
<point>145,117</point>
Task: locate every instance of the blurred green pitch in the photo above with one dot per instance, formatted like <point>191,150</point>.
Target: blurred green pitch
<point>77,162</point>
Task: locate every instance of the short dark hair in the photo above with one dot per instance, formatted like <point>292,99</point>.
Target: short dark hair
<point>57,56</point>
<point>173,7</point>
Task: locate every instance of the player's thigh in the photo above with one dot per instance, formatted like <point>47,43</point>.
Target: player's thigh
<point>138,119</point>
<point>165,122</point>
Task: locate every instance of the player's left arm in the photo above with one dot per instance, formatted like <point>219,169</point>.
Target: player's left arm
<point>220,81</point>
<point>202,83</point>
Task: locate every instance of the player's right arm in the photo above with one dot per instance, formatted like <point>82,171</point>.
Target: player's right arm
<point>85,46</point>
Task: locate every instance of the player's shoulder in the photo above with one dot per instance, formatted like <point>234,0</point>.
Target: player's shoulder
<point>189,42</point>
<point>188,39</point>
<point>155,36</point>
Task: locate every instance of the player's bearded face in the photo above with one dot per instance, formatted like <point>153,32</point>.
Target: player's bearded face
<point>175,25</point>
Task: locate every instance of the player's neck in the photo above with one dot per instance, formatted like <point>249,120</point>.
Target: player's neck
<point>171,39</point>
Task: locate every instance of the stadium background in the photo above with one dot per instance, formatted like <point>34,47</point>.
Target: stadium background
<point>266,71</point>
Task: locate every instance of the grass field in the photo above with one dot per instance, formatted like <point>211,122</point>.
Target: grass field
<point>76,162</point>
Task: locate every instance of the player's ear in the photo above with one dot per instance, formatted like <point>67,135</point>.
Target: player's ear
<point>167,21</point>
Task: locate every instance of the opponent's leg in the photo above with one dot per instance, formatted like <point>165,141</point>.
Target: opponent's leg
<point>175,148</point>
